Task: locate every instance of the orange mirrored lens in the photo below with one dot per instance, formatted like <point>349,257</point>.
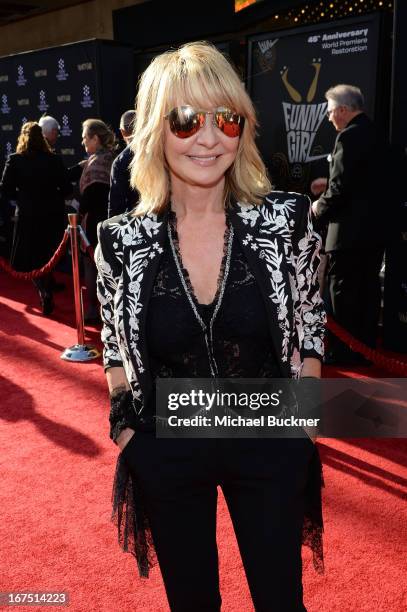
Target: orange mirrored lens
<point>185,121</point>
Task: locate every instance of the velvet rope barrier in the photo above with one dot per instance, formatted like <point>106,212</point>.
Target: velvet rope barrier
<point>391,364</point>
<point>41,271</point>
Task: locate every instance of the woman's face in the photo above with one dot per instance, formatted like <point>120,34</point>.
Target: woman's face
<point>91,144</point>
<point>201,159</point>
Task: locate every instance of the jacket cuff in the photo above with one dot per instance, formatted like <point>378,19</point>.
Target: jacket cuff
<point>311,353</point>
<point>122,413</point>
<point>112,364</point>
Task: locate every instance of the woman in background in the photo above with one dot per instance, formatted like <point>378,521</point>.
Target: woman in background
<point>94,183</point>
<point>37,179</point>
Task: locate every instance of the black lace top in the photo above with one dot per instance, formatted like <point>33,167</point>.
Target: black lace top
<point>240,339</point>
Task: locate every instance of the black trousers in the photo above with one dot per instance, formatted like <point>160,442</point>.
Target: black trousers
<point>354,286</point>
<point>263,482</point>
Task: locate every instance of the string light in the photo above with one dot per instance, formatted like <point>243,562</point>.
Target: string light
<point>324,10</point>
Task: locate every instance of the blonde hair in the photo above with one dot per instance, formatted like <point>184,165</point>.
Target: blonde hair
<point>199,75</point>
<point>105,134</point>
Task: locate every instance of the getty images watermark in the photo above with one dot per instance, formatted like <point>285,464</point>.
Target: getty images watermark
<point>237,407</point>
<point>222,409</point>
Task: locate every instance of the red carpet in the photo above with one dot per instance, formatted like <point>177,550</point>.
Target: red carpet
<point>57,469</point>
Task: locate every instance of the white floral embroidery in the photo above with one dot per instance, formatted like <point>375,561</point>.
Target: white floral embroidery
<point>150,224</point>
<point>128,232</point>
<point>134,287</point>
<point>249,214</point>
<point>277,218</point>
<point>280,220</point>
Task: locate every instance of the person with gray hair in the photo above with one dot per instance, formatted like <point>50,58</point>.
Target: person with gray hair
<point>50,129</point>
<point>350,202</point>
<point>347,96</point>
<point>122,197</point>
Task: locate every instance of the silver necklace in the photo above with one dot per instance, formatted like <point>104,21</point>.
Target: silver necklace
<point>208,333</point>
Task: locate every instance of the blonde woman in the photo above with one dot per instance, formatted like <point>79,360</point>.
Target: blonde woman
<point>211,276</point>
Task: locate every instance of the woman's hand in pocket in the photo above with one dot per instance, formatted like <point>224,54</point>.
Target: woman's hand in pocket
<point>125,437</point>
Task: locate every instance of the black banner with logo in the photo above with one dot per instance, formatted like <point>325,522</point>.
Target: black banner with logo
<point>71,83</point>
<point>288,74</point>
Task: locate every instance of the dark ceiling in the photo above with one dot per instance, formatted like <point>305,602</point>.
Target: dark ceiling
<point>13,10</point>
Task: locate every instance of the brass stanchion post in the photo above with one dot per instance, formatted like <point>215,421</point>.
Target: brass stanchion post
<point>79,351</point>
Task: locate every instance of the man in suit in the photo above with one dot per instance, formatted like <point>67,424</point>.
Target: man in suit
<point>122,197</point>
<point>352,205</point>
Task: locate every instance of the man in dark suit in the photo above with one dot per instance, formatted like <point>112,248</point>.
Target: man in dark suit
<point>122,197</point>
<point>352,205</point>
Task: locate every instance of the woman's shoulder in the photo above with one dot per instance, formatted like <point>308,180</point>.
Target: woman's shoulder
<point>118,226</point>
<point>286,198</point>
<point>288,203</point>
<point>14,158</point>
<point>117,221</point>
<point>291,204</point>
<point>129,229</point>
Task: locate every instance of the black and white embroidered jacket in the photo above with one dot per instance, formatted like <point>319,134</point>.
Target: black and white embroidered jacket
<point>282,249</point>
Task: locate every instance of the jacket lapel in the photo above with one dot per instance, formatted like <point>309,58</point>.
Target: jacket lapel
<point>148,235</point>
<point>261,235</point>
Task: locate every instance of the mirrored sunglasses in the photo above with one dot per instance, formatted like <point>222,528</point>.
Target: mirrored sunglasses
<point>185,121</point>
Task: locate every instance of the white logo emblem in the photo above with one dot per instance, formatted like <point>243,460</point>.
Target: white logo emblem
<point>24,120</point>
<point>87,101</point>
<point>9,149</point>
<point>62,74</point>
<point>5,109</point>
<point>21,80</point>
<point>65,130</point>
<point>43,106</point>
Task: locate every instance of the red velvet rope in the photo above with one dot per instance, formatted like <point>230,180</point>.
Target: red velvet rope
<point>41,271</point>
<point>389,363</point>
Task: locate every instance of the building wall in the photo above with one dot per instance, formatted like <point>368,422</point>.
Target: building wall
<point>89,20</point>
